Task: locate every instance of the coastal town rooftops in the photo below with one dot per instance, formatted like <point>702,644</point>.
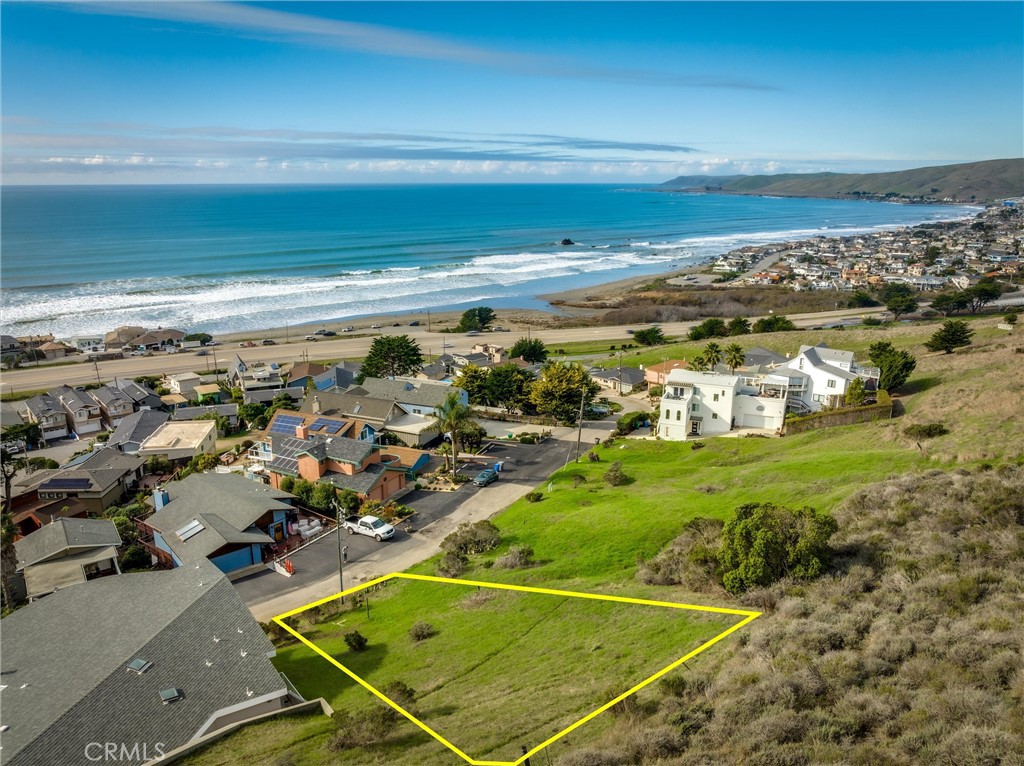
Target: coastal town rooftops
<point>694,377</point>
<point>287,450</point>
<point>178,435</point>
<point>62,535</point>
<point>69,656</point>
<point>191,413</point>
<point>43,406</point>
<point>360,483</point>
<point>111,397</point>
<point>757,356</point>
<point>135,391</point>
<point>72,398</point>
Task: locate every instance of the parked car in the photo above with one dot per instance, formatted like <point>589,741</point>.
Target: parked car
<point>213,343</point>
<point>350,328</point>
<point>202,352</point>
<point>311,337</point>
<point>472,333</point>
<point>485,477</point>
<point>375,327</point>
<point>329,333</point>
<point>370,526</point>
<point>268,342</point>
<point>414,323</point>
<point>320,332</point>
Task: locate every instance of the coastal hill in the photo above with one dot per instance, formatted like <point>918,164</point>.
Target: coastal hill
<point>969,182</point>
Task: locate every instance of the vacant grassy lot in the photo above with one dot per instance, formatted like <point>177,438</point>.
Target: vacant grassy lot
<point>505,669</point>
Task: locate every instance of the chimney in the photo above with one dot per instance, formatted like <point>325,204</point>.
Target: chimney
<point>301,432</point>
<point>316,405</point>
<point>160,498</point>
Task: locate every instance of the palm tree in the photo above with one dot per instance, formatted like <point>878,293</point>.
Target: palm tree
<point>734,356</point>
<point>712,355</point>
<point>452,418</point>
<point>698,363</point>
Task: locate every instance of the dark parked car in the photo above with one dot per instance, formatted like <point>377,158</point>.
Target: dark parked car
<point>329,333</point>
<point>414,323</point>
<point>485,477</point>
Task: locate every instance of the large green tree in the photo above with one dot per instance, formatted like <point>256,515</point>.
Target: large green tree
<point>709,328</point>
<point>476,319</point>
<point>649,336</point>
<point>739,326</point>
<point>895,365</point>
<point>558,390</point>
<point>774,323</point>
<point>764,543</point>
<point>509,386</point>
<point>473,380</point>
<point>951,303</point>
<point>982,294</point>
<point>529,350</point>
<point>391,355</point>
<point>734,356</point>
<point>901,304</point>
<point>954,333</point>
<point>712,355</point>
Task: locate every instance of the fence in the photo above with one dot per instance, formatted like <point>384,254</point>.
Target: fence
<point>501,416</point>
<point>847,416</point>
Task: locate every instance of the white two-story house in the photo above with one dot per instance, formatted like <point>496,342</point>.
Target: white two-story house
<point>709,403</point>
<point>820,377</point>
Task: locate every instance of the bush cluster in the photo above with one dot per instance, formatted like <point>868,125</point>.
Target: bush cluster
<point>467,539</point>
<point>615,476</point>
<point>356,641</point>
<point>518,557</point>
<point>421,631</point>
<point>631,421</point>
<point>534,496</point>
<point>925,430</point>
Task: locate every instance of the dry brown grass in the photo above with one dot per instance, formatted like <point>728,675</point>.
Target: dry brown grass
<point>909,651</point>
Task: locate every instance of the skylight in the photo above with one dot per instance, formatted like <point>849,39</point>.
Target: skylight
<point>168,696</point>
<point>191,529</point>
<point>139,665</point>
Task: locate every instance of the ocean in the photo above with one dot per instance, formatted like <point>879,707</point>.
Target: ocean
<point>82,260</point>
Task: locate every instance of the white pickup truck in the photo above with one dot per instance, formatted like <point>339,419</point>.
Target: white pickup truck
<point>370,526</point>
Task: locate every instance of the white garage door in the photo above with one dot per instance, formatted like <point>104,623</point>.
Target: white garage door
<point>754,421</point>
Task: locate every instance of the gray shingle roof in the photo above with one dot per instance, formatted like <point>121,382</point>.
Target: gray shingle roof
<point>811,354</point>
<point>73,398</point>
<point>287,448</point>
<point>361,482</point>
<point>191,413</point>
<point>228,505</point>
<point>108,396</point>
<point>137,427</point>
<point>423,393</point>
<point>72,648</point>
<point>43,405</point>
<point>829,355</point>
<point>63,534</point>
<point>133,390</point>
<point>363,407</point>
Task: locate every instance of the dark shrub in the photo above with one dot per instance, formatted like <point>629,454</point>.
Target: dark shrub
<point>452,564</point>
<point>401,693</point>
<point>421,631</point>
<point>925,430</point>
<point>518,557</point>
<point>615,475</point>
<point>534,497</point>
<point>356,641</point>
<point>468,538</point>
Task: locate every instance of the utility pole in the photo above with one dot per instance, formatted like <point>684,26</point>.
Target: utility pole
<point>579,433</point>
<point>342,551</point>
<point>96,366</point>
<point>428,320</point>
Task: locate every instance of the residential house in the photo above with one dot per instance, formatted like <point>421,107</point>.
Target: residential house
<point>9,416</point>
<point>209,393</point>
<point>456,362</point>
<point>9,346</point>
<point>624,380</point>
<point>101,480</point>
<point>157,340</point>
<point>227,411</point>
<point>183,384</point>
<point>433,371</point>
<point>82,410</point>
<point>181,440</point>
<point>135,429</point>
<point>710,403</point>
<point>120,337</point>
<point>302,374</point>
<point>143,396</point>
<point>87,343</point>
<point>171,402</point>
<point>266,396</point>
<point>54,350</point>
<point>415,396</point>
<point>49,414</point>
<point>67,552</point>
<point>224,518</point>
<point>495,354</point>
<point>823,376</point>
<point>34,341</point>
<point>656,374</point>
<point>340,376</point>
<point>251,376</point>
<point>377,415</point>
<point>345,463</point>
<point>147,662</point>
<point>115,405</point>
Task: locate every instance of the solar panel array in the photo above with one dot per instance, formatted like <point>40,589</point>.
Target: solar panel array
<point>67,484</point>
<point>285,424</point>
<point>328,426</point>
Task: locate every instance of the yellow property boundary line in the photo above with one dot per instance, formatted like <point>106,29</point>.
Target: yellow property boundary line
<point>748,616</point>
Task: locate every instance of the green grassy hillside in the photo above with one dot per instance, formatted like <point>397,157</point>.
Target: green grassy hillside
<point>910,646</point>
<point>969,182</point>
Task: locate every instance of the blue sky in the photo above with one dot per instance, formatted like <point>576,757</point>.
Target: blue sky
<point>162,92</point>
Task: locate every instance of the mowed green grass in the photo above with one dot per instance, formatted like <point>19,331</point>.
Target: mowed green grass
<point>505,669</point>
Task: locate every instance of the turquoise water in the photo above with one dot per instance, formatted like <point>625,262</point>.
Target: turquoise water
<point>81,260</point>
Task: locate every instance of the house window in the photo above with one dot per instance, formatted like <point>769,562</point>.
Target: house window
<point>667,414</point>
<point>696,407</point>
<point>679,414</point>
<point>819,397</point>
<point>714,416</point>
<point>831,384</point>
<point>716,397</point>
<point>801,364</point>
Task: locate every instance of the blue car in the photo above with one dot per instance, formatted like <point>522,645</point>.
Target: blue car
<point>485,477</point>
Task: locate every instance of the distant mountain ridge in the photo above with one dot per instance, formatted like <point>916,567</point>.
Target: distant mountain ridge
<point>969,182</point>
